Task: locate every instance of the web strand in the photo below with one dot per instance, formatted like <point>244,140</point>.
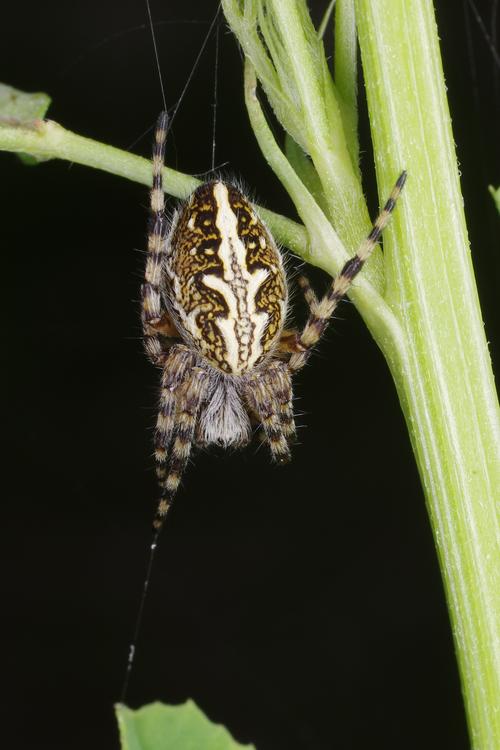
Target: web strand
<point>157,59</point>
<point>216,81</point>
<point>156,534</point>
<point>489,41</point>
<point>139,618</point>
<point>189,78</point>
<point>195,64</point>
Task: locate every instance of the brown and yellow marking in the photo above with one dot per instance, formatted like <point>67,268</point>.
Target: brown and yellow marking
<point>227,283</point>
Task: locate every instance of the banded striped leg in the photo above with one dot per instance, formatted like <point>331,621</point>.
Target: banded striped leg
<point>262,396</point>
<point>281,384</point>
<point>153,314</point>
<point>289,336</point>
<point>322,310</point>
<point>287,343</point>
<point>307,290</point>
<point>189,401</point>
<point>179,361</point>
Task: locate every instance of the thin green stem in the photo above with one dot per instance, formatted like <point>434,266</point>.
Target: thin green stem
<point>283,46</point>
<point>45,139</point>
<point>323,125</point>
<point>346,73</point>
<point>326,19</point>
<point>326,248</point>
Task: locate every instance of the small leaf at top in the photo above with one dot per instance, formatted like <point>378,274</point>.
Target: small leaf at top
<point>19,107</point>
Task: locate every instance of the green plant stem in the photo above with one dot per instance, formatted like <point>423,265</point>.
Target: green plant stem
<point>346,73</point>
<point>278,38</point>
<point>423,311</point>
<point>426,318</point>
<point>46,139</point>
<point>447,390</point>
<point>329,252</point>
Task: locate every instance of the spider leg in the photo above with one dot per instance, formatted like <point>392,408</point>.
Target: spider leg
<point>307,290</point>
<point>281,383</point>
<point>155,320</point>
<point>189,401</point>
<point>286,413</point>
<point>322,310</point>
<point>287,343</point>
<point>267,398</point>
<point>289,336</point>
<point>177,365</point>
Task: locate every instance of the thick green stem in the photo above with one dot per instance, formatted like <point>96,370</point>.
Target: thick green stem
<point>426,319</point>
<point>447,391</point>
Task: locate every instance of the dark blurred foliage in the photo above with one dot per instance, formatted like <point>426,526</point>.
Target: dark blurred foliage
<point>300,606</point>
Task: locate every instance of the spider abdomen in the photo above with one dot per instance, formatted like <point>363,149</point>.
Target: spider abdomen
<point>226,283</point>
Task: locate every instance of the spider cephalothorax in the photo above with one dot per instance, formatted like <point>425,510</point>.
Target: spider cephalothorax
<point>214,304</point>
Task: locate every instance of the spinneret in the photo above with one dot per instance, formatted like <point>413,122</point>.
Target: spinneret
<point>214,304</point>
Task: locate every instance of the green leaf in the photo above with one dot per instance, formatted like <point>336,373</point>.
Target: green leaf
<point>161,727</point>
<point>495,193</point>
<point>305,170</point>
<point>18,107</point>
<point>346,74</point>
<point>21,106</point>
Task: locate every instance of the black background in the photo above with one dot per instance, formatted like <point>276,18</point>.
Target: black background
<point>300,606</point>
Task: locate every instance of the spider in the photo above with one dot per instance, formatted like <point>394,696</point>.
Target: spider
<point>214,305</point>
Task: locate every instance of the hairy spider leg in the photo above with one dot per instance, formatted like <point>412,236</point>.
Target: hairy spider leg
<point>155,319</point>
<point>175,369</point>
<point>322,310</point>
<point>190,399</point>
<point>266,396</point>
